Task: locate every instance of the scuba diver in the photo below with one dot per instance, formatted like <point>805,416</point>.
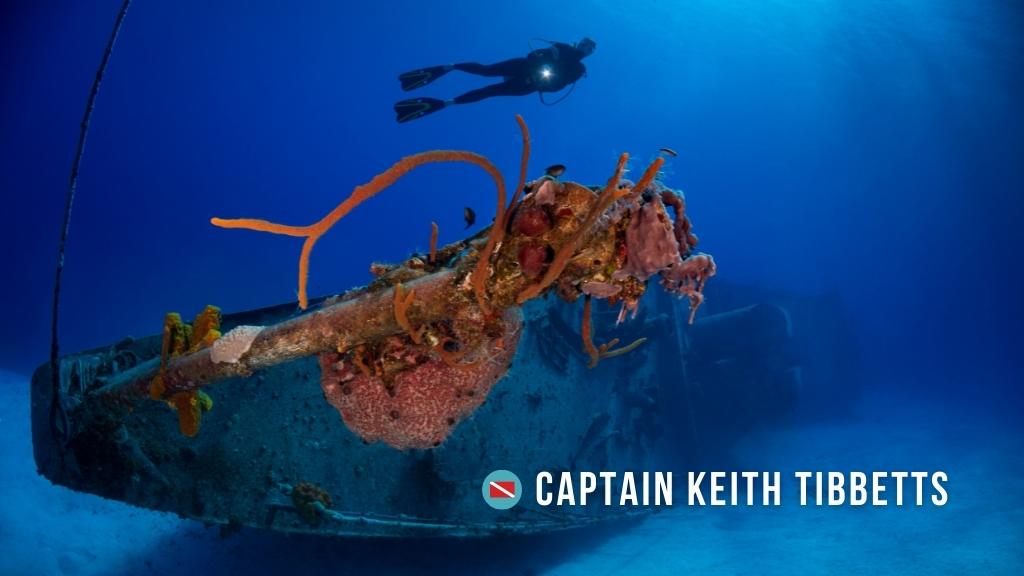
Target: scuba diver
<point>545,70</point>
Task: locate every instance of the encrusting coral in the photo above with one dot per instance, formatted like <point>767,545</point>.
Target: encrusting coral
<point>307,499</point>
<point>408,356</point>
<point>231,346</point>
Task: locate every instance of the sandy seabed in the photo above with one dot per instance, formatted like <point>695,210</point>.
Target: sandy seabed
<point>45,529</point>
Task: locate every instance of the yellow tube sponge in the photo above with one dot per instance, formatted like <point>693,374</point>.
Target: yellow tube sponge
<point>181,338</point>
<point>190,407</point>
<point>205,328</point>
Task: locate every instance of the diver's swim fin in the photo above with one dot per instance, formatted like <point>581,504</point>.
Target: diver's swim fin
<point>422,77</point>
<point>417,108</point>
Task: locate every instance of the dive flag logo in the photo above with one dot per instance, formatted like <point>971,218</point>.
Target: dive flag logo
<point>503,489</point>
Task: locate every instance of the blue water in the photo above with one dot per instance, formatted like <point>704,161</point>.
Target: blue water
<point>874,149</point>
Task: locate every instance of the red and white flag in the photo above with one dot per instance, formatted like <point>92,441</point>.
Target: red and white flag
<point>503,489</point>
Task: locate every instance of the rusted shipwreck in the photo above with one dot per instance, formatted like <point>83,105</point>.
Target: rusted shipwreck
<point>379,411</point>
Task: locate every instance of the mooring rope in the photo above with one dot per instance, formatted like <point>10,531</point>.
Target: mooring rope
<point>58,418</point>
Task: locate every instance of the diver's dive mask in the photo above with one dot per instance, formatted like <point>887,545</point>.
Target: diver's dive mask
<point>587,46</point>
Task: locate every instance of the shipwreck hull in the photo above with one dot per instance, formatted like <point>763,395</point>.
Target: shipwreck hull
<point>273,430</point>
<point>687,390</point>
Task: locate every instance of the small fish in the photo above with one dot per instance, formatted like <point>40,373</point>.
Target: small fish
<point>469,215</point>
<point>555,170</point>
<point>669,151</point>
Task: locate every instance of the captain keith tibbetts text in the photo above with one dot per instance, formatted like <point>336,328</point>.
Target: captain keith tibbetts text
<point>897,488</point>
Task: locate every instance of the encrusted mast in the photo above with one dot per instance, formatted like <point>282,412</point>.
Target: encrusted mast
<point>417,350</point>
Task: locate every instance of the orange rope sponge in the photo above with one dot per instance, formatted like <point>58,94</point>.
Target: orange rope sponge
<point>648,177</point>
<point>588,335</point>
<point>402,304</point>
<point>480,273</point>
<point>523,161</point>
<point>313,232</point>
<point>605,350</point>
<point>606,353</point>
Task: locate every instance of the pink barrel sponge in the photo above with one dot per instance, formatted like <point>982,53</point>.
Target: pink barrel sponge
<point>658,244</point>
<point>421,405</point>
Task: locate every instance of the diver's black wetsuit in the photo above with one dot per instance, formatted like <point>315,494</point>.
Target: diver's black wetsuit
<point>526,75</point>
<point>546,70</point>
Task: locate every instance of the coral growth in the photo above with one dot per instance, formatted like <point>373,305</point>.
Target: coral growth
<point>687,278</point>
<point>433,243</point>
<point>175,338</point>
<point>533,258</point>
<point>656,245</point>
<point>532,221</point>
<point>601,289</point>
<point>307,499</point>
<point>205,329</point>
<point>686,239</point>
<point>314,231</point>
<point>230,347</point>
<point>190,407</point>
<point>417,396</point>
<point>565,218</point>
<point>181,338</point>
<point>402,304</point>
<point>610,194</point>
<point>650,242</point>
<point>410,369</point>
<point>607,350</point>
<point>545,195</point>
